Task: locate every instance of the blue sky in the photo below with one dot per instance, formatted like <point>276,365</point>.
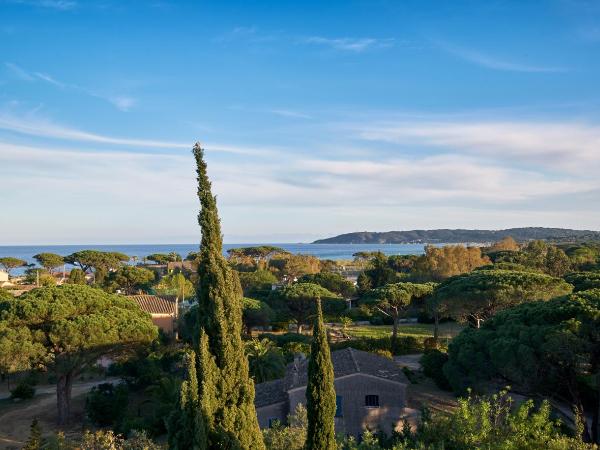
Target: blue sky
<point>318,118</point>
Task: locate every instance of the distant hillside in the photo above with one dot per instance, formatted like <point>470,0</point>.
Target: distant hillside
<point>459,236</point>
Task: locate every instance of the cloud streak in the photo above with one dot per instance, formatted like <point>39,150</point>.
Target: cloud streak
<point>347,44</point>
<point>121,102</point>
<point>492,62</point>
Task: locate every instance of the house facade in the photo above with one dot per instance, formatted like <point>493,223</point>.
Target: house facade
<point>370,393</point>
<point>162,309</point>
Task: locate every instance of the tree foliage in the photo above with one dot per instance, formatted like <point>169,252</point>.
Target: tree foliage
<point>478,295</point>
<point>291,266</point>
<point>9,263</point>
<point>300,300</point>
<point>333,282</point>
<point>439,263</point>
<point>320,390</point>
<point>393,299</point>
<point>130,279</point>
<point>552,348</point>
<point>67,329</point>
<point>49,261</point>
<point>164,258</point>
<point>226,390</point>
<point>583,281</point>
<point>96,260</point>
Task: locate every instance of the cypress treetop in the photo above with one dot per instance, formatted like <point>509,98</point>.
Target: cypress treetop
<point>226,390</point>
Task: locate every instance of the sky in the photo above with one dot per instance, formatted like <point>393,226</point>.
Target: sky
<point>318,118</point>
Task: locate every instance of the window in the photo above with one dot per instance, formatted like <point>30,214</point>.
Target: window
<point>339,412</point>
<point>372,401</point>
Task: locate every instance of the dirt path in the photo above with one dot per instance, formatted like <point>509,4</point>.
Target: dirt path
<point>15,419</point>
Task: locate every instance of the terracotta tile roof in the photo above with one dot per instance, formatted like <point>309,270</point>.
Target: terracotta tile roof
<point>155,304</point>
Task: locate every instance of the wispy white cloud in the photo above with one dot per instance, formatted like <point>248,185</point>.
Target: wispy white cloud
<point>121,102</point>
<point>289,113</point>
<point>19,72</point>
<point>348,44</point>
<point>50,4</point>
<point>34,126</point>
<point>573,147</point>
<point>494,62</point>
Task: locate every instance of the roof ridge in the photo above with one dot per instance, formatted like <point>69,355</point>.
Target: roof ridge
<point>350,349</point>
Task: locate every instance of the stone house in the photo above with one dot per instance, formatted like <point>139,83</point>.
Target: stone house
<point>370,392</point>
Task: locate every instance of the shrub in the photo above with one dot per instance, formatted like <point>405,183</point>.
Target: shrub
<point>24,390</point>
<point>106,404</point>
<point>433,362</point>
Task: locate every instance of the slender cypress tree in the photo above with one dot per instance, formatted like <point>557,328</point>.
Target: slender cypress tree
<point>35,440</point>
<point>226,390</point>
<point>320,390</point>
<point>186,425</point>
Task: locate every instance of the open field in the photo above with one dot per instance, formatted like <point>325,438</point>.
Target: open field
<point>447,330</point>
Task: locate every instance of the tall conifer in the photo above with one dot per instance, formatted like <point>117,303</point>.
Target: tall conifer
<point>226,390</point>
<point>186,425</point>
<point>320,390</point>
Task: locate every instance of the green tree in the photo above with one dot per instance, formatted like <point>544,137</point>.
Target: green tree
<point>68,328</point>
<point>176,284</point>
<point>88,260</point>
<point>266,360</point>
<point>583,281</point>
<point>186,426</point>
<point>333,282</point>
<point>130,279</point>
<point>549,348</point>
<point>257,284</point>
<point>227,391</point>
<point>256,313</point>
<point>320,390</point>
<point>290,437</point>
<point>35,441</point>
<point>49,261</point>
<point>300,300</point>
<point>549,258</point>
<point>439,263</point>
<point>393,299</point>
<point>290,266</point>
<point>478,295</point>
<point>9,263</point>
<point>76,276</point>
<point>164,258</point>
<point>377,274</point>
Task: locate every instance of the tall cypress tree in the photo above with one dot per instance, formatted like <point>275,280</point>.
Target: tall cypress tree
<point>320,390</point>
<point>186,425</point>
<point>226,390</point>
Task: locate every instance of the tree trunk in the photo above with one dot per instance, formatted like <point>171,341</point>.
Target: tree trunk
<point>395,331</point>
<point>436,326</point>
<point>63,397</point>
<point>299,329</point>
<point>595,421</point>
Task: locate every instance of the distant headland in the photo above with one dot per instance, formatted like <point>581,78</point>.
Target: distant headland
<point>448,236</point>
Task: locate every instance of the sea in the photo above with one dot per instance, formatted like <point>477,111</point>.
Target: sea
<point>321,251</point>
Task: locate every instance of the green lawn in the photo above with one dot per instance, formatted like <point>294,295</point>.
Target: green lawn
<point>447,330</point>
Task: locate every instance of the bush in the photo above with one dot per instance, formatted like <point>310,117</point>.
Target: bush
<point>404,345</point>
<point>106,404</point>
<point>24,390</point>
<point>433,362</point>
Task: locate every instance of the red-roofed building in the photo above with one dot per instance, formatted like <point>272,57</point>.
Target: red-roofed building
<point>163,309</point>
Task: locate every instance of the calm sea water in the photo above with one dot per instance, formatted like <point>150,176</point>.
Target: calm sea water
<point>322,251</point>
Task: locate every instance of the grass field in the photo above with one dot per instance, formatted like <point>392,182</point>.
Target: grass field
<point>447,330</point>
